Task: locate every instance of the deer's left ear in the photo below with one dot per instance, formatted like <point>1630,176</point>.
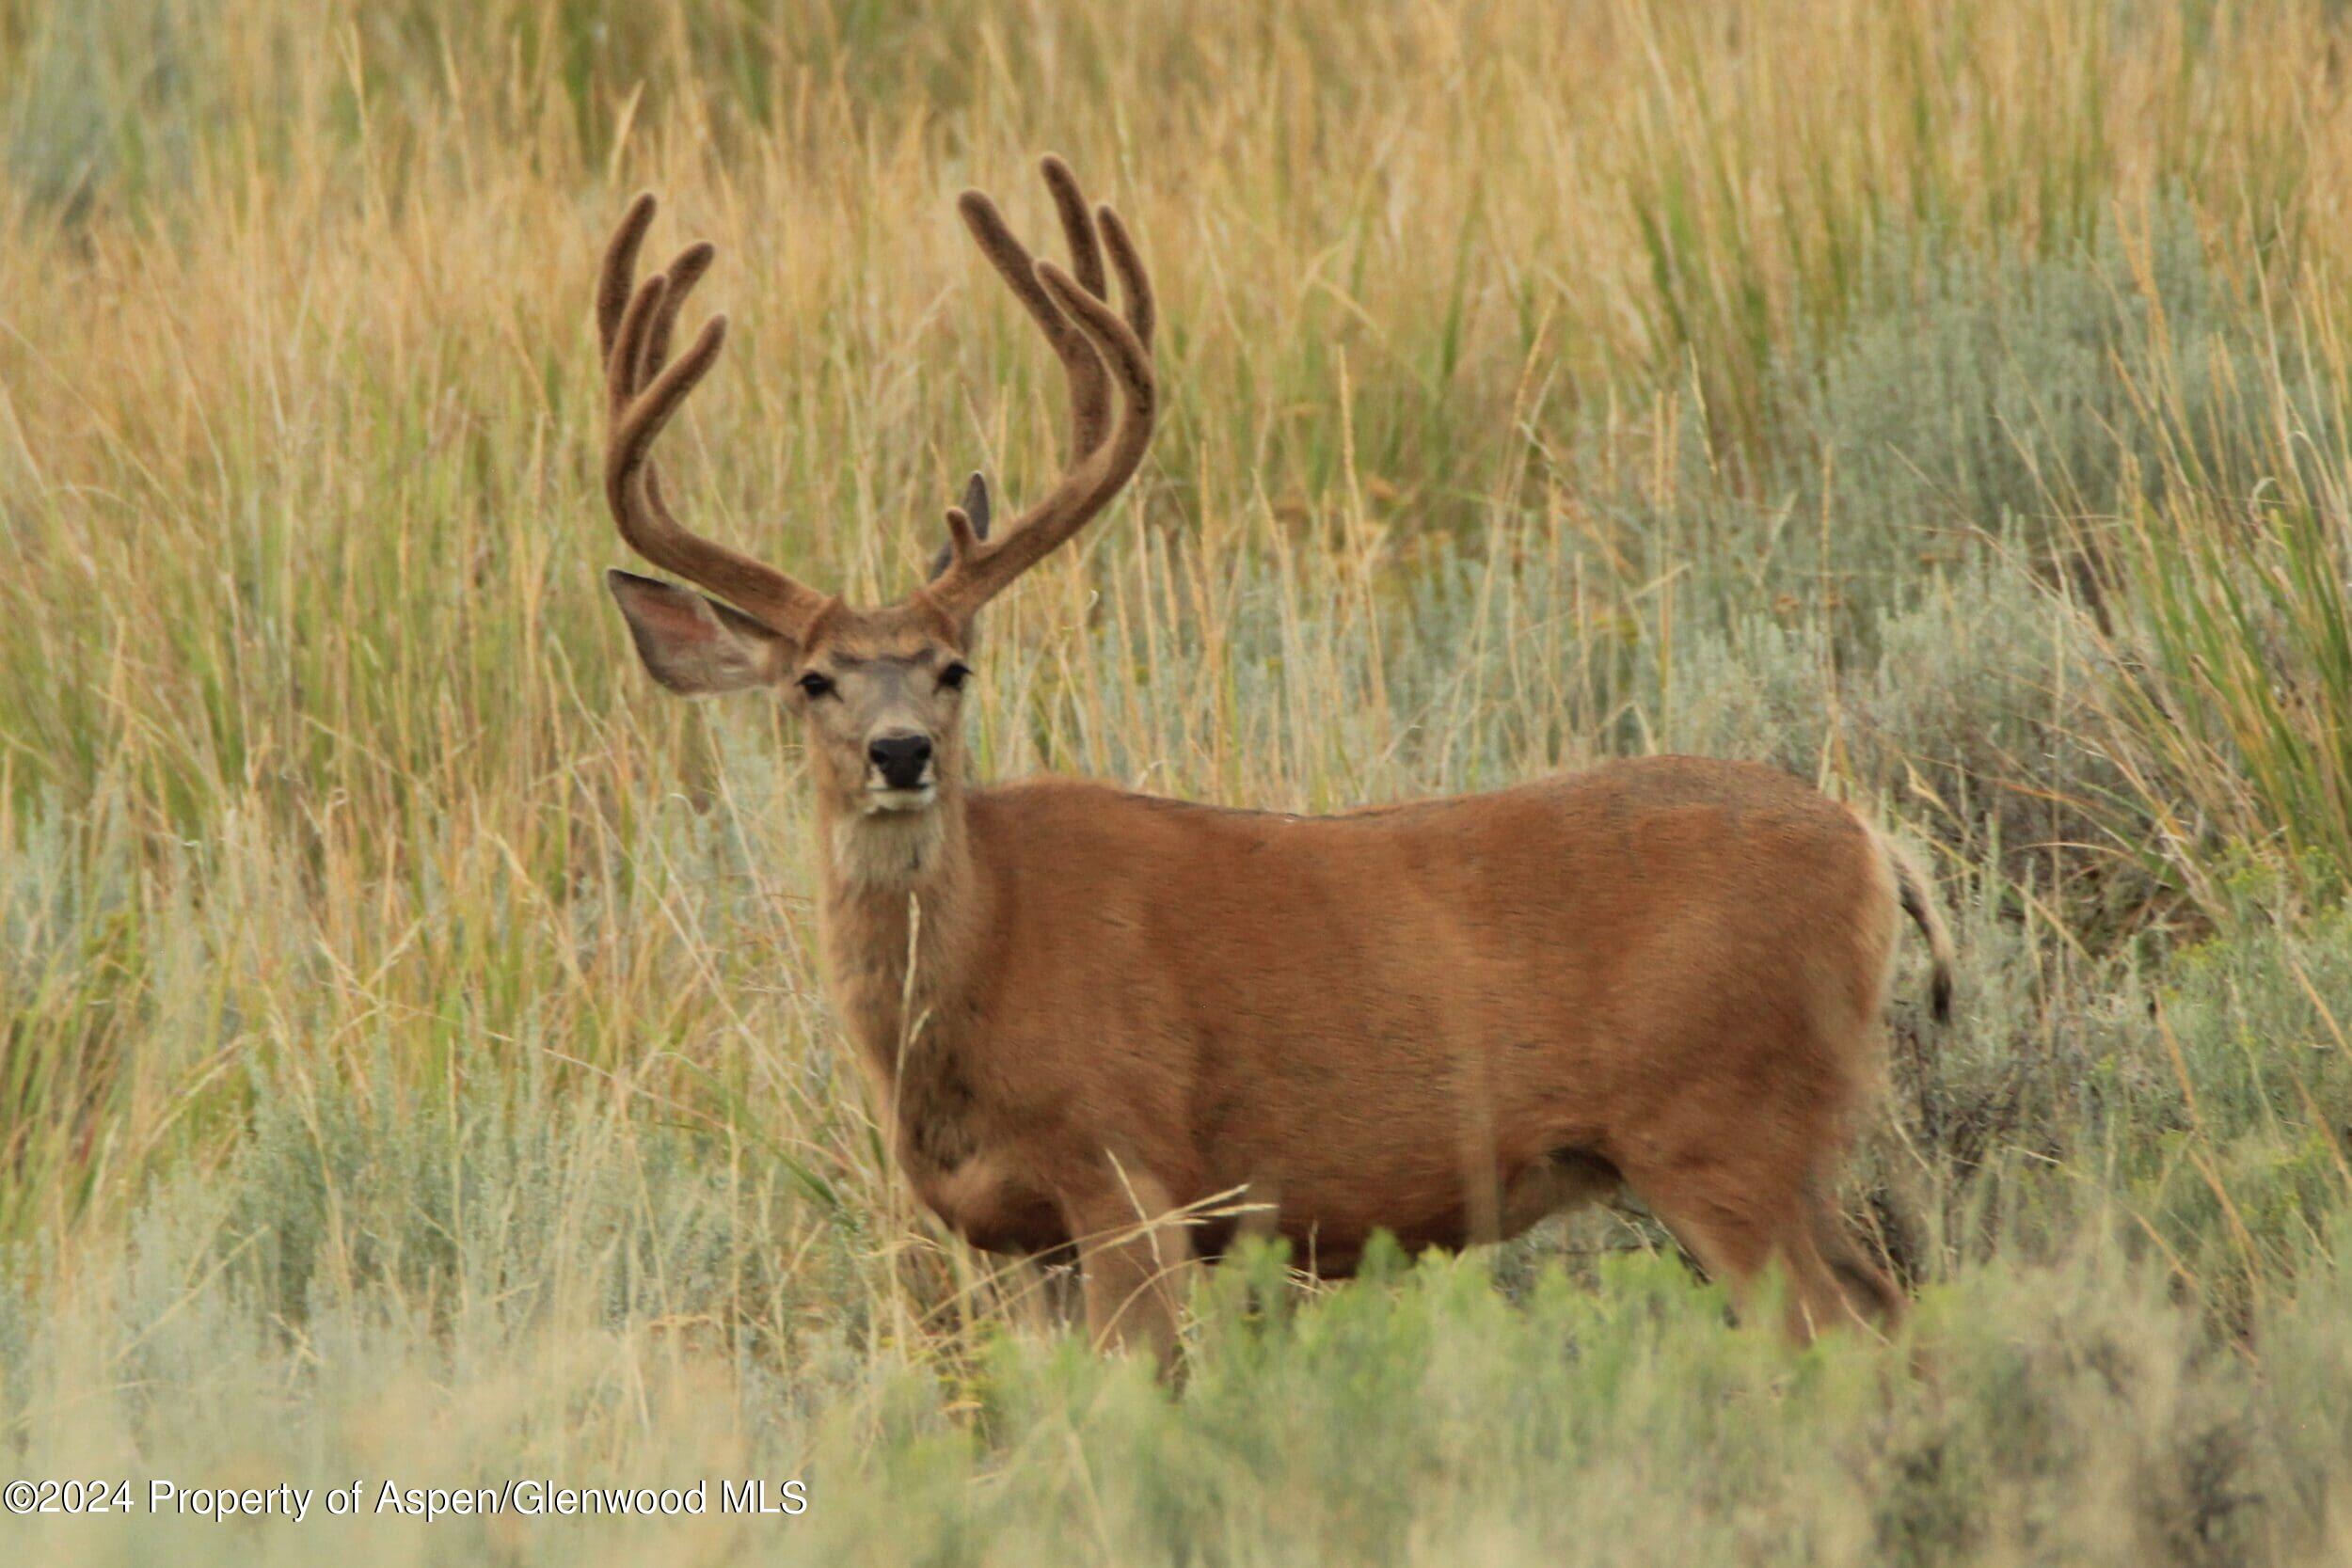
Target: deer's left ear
<point>694,645</point>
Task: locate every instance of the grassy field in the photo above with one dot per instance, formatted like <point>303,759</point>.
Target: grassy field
<point>414,1065</point>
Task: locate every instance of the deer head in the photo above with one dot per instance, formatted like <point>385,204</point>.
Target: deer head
<point>879,691</point>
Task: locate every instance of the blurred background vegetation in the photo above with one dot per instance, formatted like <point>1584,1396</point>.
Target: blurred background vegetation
<point>415,1063</point>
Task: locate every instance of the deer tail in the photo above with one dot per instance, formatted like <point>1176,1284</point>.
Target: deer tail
<point>1917,893</point>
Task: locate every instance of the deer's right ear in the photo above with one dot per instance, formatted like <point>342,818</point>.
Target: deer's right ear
<point>694,645</point>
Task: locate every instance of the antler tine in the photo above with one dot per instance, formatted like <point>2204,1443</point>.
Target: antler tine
<point>1097,345</point>
<point>974,512</point>
<point>1090,391</point>
<point>614,283</point>
<point>622,359</point>
<point>1070,204</point>
<point>684,273</point>
<point>643,389</point>
<point>963,542</point>
<point>1133,282</point>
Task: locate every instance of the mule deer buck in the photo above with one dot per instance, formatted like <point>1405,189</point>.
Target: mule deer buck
<point>1089,1013</point>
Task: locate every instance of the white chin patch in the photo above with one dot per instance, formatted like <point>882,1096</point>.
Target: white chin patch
<point>879,801</point>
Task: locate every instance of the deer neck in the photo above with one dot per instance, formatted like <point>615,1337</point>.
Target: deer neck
<point>900,918</point>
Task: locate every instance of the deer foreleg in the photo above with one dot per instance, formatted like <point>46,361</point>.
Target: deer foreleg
<point>1135,1256</point>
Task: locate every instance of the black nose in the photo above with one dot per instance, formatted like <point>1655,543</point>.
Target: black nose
<point>900,759</point>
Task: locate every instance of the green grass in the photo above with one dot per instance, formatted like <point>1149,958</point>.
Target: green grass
<point>415,1059</point>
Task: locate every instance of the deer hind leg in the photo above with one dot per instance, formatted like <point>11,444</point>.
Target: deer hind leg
<point>1871,1294</point>
<point>1134,1257</point>
<point>1742,1223</point>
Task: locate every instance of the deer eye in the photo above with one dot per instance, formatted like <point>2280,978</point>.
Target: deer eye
<point>955,676</point>
<point>816,685</point>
